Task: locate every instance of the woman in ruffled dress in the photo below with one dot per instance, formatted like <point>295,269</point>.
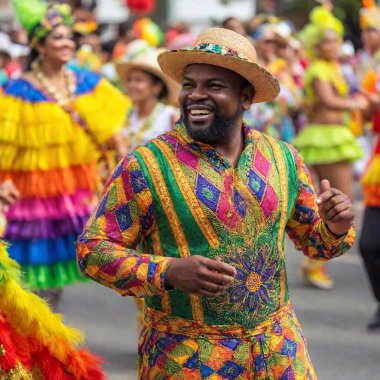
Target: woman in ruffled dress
<point>53,127</point>
<point>327,144</point>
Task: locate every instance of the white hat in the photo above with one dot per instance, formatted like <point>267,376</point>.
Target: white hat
<point>146,60</point>
<point>12,49</point>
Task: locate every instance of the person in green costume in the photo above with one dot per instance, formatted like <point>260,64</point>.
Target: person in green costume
<point>327,144</point>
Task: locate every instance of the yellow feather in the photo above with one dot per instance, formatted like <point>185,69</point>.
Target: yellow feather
<point>31,316</point>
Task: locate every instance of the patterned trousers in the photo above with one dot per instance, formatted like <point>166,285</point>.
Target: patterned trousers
<point>275,350</point>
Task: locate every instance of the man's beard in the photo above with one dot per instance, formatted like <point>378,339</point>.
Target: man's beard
<point>218,131</point>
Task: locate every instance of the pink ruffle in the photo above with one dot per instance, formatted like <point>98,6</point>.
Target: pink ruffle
<point>81,203</point>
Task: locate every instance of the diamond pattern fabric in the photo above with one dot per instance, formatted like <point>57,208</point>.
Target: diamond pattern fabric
<point>175,197</point>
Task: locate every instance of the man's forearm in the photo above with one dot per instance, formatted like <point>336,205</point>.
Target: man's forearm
<point>125,270</point>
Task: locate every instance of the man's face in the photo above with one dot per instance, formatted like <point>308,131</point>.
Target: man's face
<point>212,102</point>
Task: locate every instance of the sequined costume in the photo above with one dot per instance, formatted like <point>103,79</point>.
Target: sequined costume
<point>176,197</point>
<point>53,163</point>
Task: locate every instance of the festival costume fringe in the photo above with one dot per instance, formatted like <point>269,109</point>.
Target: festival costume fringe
<point>34,342</point>
<point>42,136</point>
<point>29,123</point>
<point>61,207</point>
<point>54,182</point>
<point>326,144</point>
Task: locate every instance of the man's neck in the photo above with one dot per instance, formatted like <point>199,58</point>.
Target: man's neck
<point>232,148</point>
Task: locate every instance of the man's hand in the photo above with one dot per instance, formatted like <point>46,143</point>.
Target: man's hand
<point>335,209</point>
<point>199,275</point>
<point>8,194</point>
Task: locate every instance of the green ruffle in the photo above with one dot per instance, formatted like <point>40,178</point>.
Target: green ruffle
<point>58,275</point>
<point>327,144</point>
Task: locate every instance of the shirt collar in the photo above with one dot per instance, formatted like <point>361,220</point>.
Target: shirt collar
<point>207,149</point>
<point>181,129</point>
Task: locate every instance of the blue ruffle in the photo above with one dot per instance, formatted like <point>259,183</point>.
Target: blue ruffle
<point>86,81</point>
<point>44,251</point>
<point>20,88</point>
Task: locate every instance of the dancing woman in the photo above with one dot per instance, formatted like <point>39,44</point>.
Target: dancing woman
<point>327,144</point>
<point>53,124</point>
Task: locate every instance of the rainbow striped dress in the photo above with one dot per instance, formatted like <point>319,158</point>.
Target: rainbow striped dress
<point>53,163</point>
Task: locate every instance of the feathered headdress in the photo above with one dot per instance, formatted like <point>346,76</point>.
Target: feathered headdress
<point>38,19</point>
<point>370,15</point>
<point>321,20</point>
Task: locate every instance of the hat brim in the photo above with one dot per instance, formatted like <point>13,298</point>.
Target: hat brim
<point>174,63</point>
<point>123,69</point>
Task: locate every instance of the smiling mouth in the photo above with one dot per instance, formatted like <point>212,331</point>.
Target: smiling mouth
<point>199,112</point>
<point>200,115</point>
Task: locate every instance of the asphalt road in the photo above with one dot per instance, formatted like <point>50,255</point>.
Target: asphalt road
<point>334,322</point>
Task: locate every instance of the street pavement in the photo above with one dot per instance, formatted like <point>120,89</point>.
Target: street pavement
<point>334,322</point>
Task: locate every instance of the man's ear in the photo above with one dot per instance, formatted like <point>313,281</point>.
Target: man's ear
<point>247,95</point>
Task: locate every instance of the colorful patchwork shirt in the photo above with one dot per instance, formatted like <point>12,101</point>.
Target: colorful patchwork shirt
<point>175,197</point>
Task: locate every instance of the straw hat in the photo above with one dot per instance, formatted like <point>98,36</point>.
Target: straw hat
<point>147,61</point>
<point>226,49</point>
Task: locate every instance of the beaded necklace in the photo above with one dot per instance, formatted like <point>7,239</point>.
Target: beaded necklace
<point>63,99</point>
<point>136,138</point>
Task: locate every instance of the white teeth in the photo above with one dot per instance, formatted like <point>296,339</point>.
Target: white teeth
<point>200,112</point>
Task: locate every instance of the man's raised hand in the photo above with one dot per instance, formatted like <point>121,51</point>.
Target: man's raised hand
<point>335,208</point>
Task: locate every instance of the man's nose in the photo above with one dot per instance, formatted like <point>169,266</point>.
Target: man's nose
<point>198,93</point>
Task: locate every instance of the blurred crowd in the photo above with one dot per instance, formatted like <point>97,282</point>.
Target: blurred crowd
<point>280,47</point>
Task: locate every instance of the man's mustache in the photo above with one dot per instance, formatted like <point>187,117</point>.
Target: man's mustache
<point>200,105</point>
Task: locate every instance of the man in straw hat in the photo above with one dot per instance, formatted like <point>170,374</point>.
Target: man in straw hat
<point>208,205</point>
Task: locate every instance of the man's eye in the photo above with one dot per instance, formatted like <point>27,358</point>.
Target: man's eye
<point>216,86</point>
<point>186,85</point>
